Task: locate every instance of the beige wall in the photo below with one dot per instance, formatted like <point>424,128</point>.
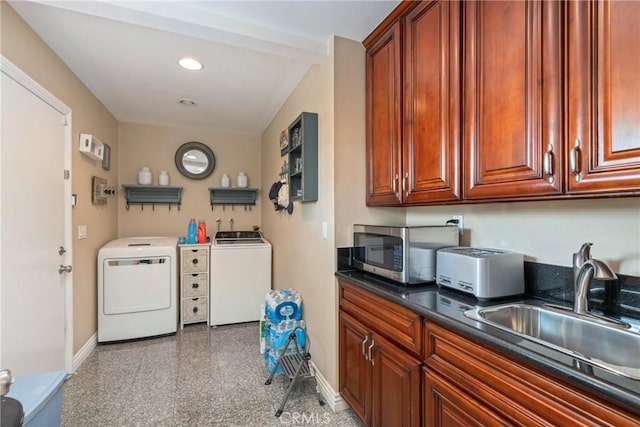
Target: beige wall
<point>350,138</point>
<point>302,259</point>
<point>25,49</point>
<point>155,146</point>
<point>549,232</point>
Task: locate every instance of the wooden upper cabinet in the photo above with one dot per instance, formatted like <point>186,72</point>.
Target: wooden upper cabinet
<point>383,96</point>
<point>431,114</point>
<point>512,99</point>
<point>603,147</point>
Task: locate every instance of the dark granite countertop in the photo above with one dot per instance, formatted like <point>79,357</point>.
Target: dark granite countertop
<point>446,307</point>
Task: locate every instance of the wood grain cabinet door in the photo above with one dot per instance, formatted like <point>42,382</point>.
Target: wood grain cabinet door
<point>383,109</point>
<point>354,369</point>
<point>396,386</point>
<point>512,99</point>
<point>445,405</point>
<point>431,115</point>
<point>604,96</point>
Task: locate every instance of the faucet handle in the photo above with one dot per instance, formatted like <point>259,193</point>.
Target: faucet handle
<point>582,255</point>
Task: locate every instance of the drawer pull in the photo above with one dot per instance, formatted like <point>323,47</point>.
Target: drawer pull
<point>195,285</point>
<point>195,310</point>
<point>195,260</point>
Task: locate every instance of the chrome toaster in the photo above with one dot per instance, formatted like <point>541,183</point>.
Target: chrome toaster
<point>485,273</point>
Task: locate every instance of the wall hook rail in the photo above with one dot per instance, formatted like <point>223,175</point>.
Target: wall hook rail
<point>152,194</point>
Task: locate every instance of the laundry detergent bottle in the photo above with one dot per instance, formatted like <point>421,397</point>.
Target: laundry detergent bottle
<point>202,231</point>
<point>192,232</point>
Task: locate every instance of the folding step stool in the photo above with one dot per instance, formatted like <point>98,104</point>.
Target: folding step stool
<point>295,365</point>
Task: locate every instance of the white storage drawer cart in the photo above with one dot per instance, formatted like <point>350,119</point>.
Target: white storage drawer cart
<point>194,283</point>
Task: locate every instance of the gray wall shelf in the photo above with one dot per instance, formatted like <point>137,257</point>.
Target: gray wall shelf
<point>152,195</point>
<point>303,158</point>
<point>232,196</point>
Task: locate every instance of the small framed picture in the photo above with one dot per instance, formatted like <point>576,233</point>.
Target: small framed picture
<point>284,143</point>
<point>106,158</point>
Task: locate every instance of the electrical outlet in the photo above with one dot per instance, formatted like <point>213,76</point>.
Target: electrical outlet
<point>460,219</point>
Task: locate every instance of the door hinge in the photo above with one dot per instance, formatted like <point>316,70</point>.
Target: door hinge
<point>65,121</point>
<point>66,174</point>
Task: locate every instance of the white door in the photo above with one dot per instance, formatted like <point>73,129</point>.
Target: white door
<point>34,294</point>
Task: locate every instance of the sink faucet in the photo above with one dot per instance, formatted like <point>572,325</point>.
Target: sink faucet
<point>591,269</point>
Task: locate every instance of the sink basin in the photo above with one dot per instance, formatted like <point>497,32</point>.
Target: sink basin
<point>609,347</point>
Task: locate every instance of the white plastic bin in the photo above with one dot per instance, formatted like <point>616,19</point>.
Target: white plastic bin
<point>41,398</point>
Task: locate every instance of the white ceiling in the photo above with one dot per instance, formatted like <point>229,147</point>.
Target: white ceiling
<point>254,53</point>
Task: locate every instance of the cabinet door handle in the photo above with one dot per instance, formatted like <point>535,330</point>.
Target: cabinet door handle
<point>548,164</point>
<point>405,186</point>
<point>366,338</point>
<point>574,164</point>
<point>370,347</point>
<point>395,183</point>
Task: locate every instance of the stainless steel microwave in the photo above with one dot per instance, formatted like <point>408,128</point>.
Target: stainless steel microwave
<point>400,253</point>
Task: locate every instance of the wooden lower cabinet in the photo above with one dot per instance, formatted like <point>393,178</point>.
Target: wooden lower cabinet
<point>446,405</point>
<point>396,385</point>
<point>355,369</point>
<point>378,379</point>
<point>398,369</point>
<point>468,384</point>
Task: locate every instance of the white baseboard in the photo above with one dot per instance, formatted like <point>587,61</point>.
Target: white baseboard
<point>333,399</point>
<point>85,351</point>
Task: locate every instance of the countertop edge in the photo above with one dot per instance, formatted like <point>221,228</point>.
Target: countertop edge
<point>610,392</point>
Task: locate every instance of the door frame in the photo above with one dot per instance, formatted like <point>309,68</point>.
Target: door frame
<point>23,79</point>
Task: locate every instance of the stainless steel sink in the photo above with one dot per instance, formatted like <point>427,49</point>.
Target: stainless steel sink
<point>612,348</point>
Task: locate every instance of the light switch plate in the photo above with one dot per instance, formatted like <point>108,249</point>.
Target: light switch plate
<point>325,230</point>
<point>82,231</point>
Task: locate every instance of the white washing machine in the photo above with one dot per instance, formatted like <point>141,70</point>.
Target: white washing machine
<point>240,276</point>
<point>137,288</point>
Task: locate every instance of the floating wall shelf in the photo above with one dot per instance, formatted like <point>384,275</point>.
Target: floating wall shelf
<point>153,195</point>
<point>232,196</point>
<point>91,147</point>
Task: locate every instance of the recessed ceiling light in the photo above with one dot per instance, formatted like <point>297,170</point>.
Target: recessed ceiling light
<point>190,64</point>
<point>187,103</point>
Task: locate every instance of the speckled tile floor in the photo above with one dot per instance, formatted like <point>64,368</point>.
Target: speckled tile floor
<point>200,376</point>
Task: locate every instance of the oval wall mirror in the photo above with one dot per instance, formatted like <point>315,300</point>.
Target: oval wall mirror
<point>195,160</point>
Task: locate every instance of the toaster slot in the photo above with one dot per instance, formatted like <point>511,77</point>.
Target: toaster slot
<point>444,280</point>
<point>465,286</point>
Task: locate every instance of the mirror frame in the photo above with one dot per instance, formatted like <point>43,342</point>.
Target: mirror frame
<point>198,146</point>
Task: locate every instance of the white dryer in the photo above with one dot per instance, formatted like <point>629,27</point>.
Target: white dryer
<point>137,288</point>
